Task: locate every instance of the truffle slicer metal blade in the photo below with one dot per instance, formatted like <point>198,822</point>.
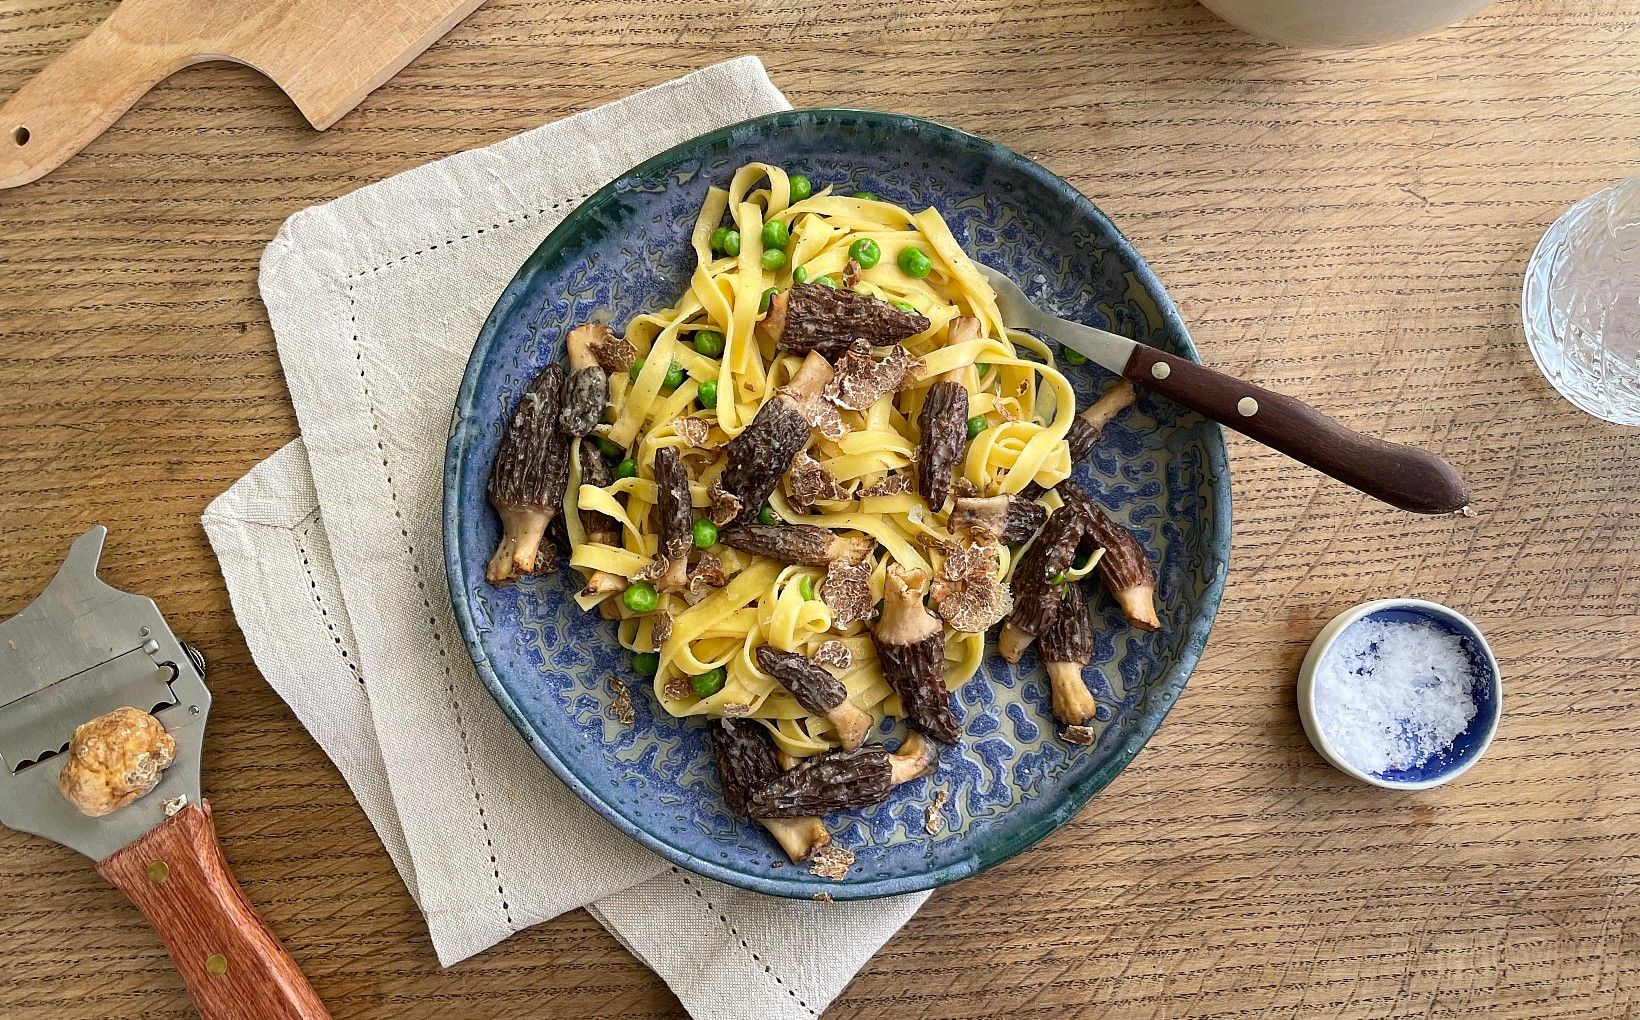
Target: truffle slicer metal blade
<point>78,651</point>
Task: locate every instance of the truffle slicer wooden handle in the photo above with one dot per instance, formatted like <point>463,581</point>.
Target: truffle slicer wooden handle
<point>1401,476</point>
<point>230,959</point>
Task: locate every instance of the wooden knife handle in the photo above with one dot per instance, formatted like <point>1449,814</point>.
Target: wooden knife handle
<point>230,959</point>
<point>1401,476</point>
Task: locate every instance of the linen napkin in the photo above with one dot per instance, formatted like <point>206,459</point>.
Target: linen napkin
<point>332,554</point>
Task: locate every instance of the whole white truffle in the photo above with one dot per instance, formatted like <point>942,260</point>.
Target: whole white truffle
<point>115,759</point>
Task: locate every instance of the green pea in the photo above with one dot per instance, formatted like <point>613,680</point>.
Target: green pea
<point>866,252</point>
<point>976,425</point>
<point>801,187</point>
<point>608,447</point>
<point>766,299</point>
<point>800,274</point>
<point>705,533</point>
<point>720,238</point>
<point>626,468</point>
<point>776,234</point>
<point>914,262</point>
<point>731,243</point>
<point>1075,357</point>
<point>767,515</point>
<point>982,367</point>
<point>774,259</point>
<point>805,588</point>
<point>645,663</point>
<point>905,306</point>
<point>637,366</point>
<point>708,393</point>
<point>709,342</point>
<point>867,196</point>
<point>708,683</point>
<point>640,597</point>
<point>826,281</point>
<point>674,376</point>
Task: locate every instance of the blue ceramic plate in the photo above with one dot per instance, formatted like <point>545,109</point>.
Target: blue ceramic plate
<point>1160,470</point>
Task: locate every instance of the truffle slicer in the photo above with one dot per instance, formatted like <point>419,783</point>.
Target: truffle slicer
<point>83,649</point>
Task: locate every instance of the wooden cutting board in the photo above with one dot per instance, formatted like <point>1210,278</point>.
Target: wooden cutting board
<point>326,54</point>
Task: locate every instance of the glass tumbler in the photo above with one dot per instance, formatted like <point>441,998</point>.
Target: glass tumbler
<point>1580,305</point>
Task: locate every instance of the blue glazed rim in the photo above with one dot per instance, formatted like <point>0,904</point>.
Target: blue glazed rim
<point>1160,696</point>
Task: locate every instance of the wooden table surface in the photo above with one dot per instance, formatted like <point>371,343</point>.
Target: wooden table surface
<point>1349,228</point>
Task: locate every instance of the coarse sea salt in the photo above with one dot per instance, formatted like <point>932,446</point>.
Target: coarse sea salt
<point>1392,695</point>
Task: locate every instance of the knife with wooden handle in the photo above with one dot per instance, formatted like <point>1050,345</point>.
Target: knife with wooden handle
<point>1401,476</point>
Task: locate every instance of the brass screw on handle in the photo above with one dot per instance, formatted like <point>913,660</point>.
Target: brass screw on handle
<point>216,965</point>
<point>158,872</point>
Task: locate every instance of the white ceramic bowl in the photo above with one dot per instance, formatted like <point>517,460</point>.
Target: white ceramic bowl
<point>1466,748</point>
<point>1338,24</point>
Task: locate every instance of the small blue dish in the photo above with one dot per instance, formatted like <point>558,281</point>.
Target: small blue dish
<point>1159,469</point>
<point>1486,691</point>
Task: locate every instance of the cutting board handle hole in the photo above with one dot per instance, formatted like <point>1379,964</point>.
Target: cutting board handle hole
<point>19,134</point>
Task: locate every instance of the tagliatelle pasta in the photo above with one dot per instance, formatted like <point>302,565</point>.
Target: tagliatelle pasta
<point>737,602</point>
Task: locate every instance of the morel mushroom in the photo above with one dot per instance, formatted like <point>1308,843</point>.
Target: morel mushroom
<point>840,782</point>
<point>746,762</point>
<point>677,522</point>
<point>818,692</point>
<point>1067,648</point>
<point>910,645</point>
<point>811,317</point>
<point>1086,427</point>
<point>586,387</point>
<point>1124,570</point>
<point>1008,519</point>
<point>1085,430</point>
<point>755,459</point>
<point>528,479</point>
<point>807,545</point>
<point>1037,596</point>
<point>599,527</point>
<point>943,423</point>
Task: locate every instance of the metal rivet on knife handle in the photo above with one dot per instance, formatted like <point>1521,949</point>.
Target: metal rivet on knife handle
<point>158,872</point>
<point>1247,407</point>
<point>1160,370</point>
<point>216,965</point>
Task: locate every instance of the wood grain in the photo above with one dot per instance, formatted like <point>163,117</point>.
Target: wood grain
<point>1347,228</point>
<point>232,963</point>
